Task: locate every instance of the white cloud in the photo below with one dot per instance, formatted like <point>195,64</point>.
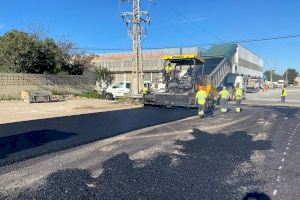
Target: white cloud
<point>1,26</point>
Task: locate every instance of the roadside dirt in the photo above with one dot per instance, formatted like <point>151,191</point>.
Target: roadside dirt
<point>14,111</point>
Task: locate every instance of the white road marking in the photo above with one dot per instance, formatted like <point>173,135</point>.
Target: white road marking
<point>282,160</point>
<point>284,153</point>
<point>287,148</point>
<point>280,167</point>
<point>275,192</point>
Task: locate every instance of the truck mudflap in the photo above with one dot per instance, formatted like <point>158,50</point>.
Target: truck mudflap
<point>170,100</point>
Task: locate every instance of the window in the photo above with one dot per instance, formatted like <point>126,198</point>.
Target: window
<point>128,85</point>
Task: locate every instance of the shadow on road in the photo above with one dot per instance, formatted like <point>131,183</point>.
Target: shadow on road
<point>16,143</point>
<point>82,129</point>
<point>203,170</point>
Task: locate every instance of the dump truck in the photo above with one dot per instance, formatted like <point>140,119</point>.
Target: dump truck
<point>178,88</point>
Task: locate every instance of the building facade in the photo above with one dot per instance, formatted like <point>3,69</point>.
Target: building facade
<point>242,61</point>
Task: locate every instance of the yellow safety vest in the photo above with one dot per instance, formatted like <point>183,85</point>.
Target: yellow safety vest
<point>169,68</point>
<point>145,90</point>
<point>238,94</point>
<point>224,94</point>
<point>201,97</point>
<point>284,92</point>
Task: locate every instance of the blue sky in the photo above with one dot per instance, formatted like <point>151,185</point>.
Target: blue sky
<point>97,23</point>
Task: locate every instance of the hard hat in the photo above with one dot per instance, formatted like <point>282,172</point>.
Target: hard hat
<point>224,87</point>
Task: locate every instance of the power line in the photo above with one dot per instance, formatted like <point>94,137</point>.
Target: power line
<point>193,23</point>
<point>199,45</point>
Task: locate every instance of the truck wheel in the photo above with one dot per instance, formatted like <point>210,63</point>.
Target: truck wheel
<point>109,96</point>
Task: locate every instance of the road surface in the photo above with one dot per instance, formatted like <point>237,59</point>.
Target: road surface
<point>153,153</point>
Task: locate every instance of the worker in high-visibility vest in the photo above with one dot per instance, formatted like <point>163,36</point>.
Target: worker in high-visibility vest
<point>238,95</point>
<point>283,94</point>
<point>224,94</point>
<point>201,97</point>
<point>168,71</point>
<point>145,91</point>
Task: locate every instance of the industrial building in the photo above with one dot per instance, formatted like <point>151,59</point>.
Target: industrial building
<point>241,60</point>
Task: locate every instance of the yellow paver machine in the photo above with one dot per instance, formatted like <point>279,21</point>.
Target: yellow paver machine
<point>181,77</point>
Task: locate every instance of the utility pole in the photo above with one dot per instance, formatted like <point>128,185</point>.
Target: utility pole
<point>271,75</point>
<point>286,76</point>
<point>134,21</point>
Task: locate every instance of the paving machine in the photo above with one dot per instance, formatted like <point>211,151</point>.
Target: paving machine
<point>179,86</point>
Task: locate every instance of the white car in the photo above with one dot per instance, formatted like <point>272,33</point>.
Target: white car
<point>117,90</point>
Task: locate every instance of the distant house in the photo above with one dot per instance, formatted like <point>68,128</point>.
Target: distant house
<point>297,81</point>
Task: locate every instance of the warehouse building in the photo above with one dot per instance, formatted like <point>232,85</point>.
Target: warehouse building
<point>242,61</point>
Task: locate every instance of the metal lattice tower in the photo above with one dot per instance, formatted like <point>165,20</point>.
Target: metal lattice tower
<point>134,21</point>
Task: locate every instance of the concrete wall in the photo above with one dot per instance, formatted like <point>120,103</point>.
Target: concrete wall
<point>12,84</point>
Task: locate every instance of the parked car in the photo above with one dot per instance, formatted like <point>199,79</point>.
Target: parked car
<point>117,90</point>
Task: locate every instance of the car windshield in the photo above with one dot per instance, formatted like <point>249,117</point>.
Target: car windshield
<point>118,85</point>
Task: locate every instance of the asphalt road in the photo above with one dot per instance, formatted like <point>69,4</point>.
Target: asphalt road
<point>224,157</point>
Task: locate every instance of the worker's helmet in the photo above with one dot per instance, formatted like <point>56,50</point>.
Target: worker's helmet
<point>200,87</point>
<point>224,88</point>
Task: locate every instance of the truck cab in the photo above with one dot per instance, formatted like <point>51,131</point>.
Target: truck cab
<point>281,83</point>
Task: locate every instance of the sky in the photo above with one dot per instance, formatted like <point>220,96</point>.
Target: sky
<point>174,23</point>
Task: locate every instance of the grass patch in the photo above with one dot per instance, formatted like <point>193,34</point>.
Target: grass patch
<point>90,95</point>
<point>128,100</point>
<point>9,98</point>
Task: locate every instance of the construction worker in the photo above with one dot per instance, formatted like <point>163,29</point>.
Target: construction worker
<point>211,103</point>
<point>145,90</point>
<point>169,70</point>
<point>283,94</point>
<point>200,99</point>
<point>238,95</point>
<point>224,94</point>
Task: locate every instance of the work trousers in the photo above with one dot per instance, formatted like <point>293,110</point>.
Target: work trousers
<point>238,103</point>
<point>283,99</point>
<point>224,103</point>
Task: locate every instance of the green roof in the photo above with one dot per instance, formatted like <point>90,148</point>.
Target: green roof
<point>221,50</point>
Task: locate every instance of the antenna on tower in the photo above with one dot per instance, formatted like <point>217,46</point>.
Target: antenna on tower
<point>135,21</point>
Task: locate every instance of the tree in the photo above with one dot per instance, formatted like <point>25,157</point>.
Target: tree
<point>275,76</point>
<point>21,52</point>
<point>18,52</point>
<point>103,76</point>
<point>291,75</point>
